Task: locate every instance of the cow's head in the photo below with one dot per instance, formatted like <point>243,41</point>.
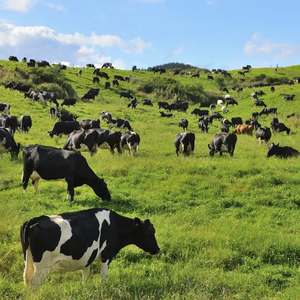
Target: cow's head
<point>14,151</point>
<point>273,149</point>
<point>144,236</point>
<point>50,133</point>
<point>100,188</point>
<point>211,150</point>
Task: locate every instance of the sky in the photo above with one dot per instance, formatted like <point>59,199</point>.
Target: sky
<point>221,34</point>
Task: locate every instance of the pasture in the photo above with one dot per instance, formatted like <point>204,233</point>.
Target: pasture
<point>227,227</point>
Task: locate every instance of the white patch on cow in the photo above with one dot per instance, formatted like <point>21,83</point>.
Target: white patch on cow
<point>224,148</point>
<point>104,270</point>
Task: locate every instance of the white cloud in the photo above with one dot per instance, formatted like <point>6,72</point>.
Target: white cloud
<point>18,5</point>
<point>140,45</point>
<point>56,7</point>
<point>175,52</point>
<point>211,2</point>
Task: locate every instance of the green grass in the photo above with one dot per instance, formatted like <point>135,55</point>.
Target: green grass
<point>228,228</point>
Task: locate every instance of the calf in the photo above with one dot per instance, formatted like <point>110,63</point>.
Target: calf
<point>185,143</point>
<point>74,240</point>
<point>282,152</point>
<point>25,123</point>
<point>8,144</point>
<point>89,124</point>
<point>61,128</point>
<point>244,129</point>
<point>96,79</point>
<point>130,141</point>
<point>280,127</point>
<point>263,134</point>
<point>222,142</point>
<point>184,123</point>
<point>51,163</point>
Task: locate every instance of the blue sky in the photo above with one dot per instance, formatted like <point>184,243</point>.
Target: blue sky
<point>226,34</point>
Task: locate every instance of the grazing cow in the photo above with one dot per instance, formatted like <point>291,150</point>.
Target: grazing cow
<point>10,122</point>
<point>133,103</point>
<point>53,112</point>
<point>176,72</point>
<point>224,109</point>
<point>268,110</point>
<point>280,127</point>
<point>82,140</point>
<point>164,115</point>
<point>220,102</point>
<point>13,58</point>
<point>162,104</point>
<point>61,128</point>
<point>203,124</point>
<point>10,85</point>
<point>289,97</point>
<point>50,163</point>
<point>89,124</point>
<point>79,73</point>
<point>133,68</point>
<point>209,77</point>
<point>88,96</point>
<point>25,123</point>
<point>216,115</point>
<point>236,121</point>
<point>49,96</point>
<point>184,123</point>
<point>282,152</point>
<point>101,74</point>
<point>118,77</point>
<point>200,112</point>
<point>263,134</point>
<point>230,101</point>
<point>225,128</point>
<point>224,89</point>
<point>185,143</point>
<point>147,102</point>
<point>119,123</point>
<point>92,66</point>
<point>107,65</point>
<point>222,142</point>
<point>253,122</point>
<point>225,121</point>
<point>259,103</point>
<point>244,129</point>
<point>43,64</point>
<point>272,89</point>
<point>115,82</point>
<point>22,87</point>
<point>107,85</point>
<point>106,116</point>
<point>5,107</point>
<point>212,107</point>
<point>74,240</point>
<point>255,115</point>
<point>126,95</point>
<point>241,73</point>
<point>109,139</point>
<point>195,75</point>
<point>130,141</point>
<point>68,102</point>
<point>96,79</point>
<point>64,116</point>
<point>274,121</point>
<point>8,143</point>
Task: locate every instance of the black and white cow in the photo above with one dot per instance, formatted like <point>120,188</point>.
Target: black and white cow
<point>50,163</point>
<point>147,102</point>
<point>8,121</point>
<point>64,116</point>
<point>230,101</point>
<point>126,95</point>
<point>53,112</point>
<point>263,134</point>
<point>162,104</point>
<point>280,127</point>
<point>184,123</point>
<point>203,124</point>
<point>222,142</point>
<point>109,139</point>
<point>199,112</point>
<point>89,124</point>
<point>96,79</point>
<point>282,152</point>
<point>8,143</point>
<point>74,240</point>
<point>119,123</point>
<point>115,82</point>
<point>107,85</point>
<point>236,121</point>
<point>68,102</point>
<point>164,115</point>
<point>106,116</point>
<point>50,96</point>
<point>118,77</point>
<point>130,141</point>
<point>268,110</point>
<point>82,140</point>
<point>5,108</point>
<point>133,103</point>
<point>25,123</point>
<point>185,143</point>
<point>61,128</point>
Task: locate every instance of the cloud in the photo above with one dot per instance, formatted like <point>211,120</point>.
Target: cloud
<point>258,47</point>
<point>175,52</point>
<point>211,2</point>
<point>139,45</point>
<point>18,5</point>
<point>56,7</point>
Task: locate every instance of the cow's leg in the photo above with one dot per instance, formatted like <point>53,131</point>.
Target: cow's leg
<point>35,185</point>
<point>85,273</point>
<point>29,268</point>
<point>104,268</point>
<point>70,189</point>
<point>39,275</point>
<point>27,171</point>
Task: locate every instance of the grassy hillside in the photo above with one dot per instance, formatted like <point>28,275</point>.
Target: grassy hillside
<point>227,227</point>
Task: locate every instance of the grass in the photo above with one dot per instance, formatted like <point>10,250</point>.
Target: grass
<point>228,228</point>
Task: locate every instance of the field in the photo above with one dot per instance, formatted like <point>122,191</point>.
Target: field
<point>228,227</point>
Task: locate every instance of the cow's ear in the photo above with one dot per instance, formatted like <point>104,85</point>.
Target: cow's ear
<point>277,144</point>
<point>137,222</point>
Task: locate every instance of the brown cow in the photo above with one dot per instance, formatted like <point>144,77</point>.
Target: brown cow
<point>248,129</point>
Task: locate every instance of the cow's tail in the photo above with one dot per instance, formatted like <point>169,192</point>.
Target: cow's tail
<point>29,267</point>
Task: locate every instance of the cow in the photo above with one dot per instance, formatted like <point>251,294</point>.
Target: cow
<point>30,64</point>
<point>203,124</point>
<point>68,102</point>
<point>43,64</point>
<point>50,163</point>
<point>119,123</point>
<point>223,142</point>
<point>106,116</point>
<point>21,87</point>
<point>241,73</point>
<point>255,115</point>
<point>164,115</point>
<point>88,96</point>
<point>220,102</point>
<point>34,96</point>
<point>212,107</point>
<point>89,124</point>
<point>10,85</point>
<point>225,121</point>
<point>107,65</point>
<point>13,58</point>
<point>64,116</point>
<point>101,74</point>
<point>259,103</point>
<point>73,240</point>
<point>50,96</point>
<point>96,79</point>
<point>126,95</point>
<point>107,85</point>
<point>61,128</point>
<point>272,89</point>
<point>274,121</point>
<point>236,121</point>
<point>5,108</point>
<point>216,115</point>
<point>90,66</point>
<point>289,97</point>
<point>184,123</point>
<point>185,143</point>
<point>133,68</point>
<point>53,112</point>
<point>82,140</point>
<point>268,110</point>
<point>130,141</point>
<point>253,122</point>
<point>109,139</point>
<point>263,134</point>
<point>79,73</point>
<point>133,103</point>
<point>25,123</point>
<point>282,152</point>
<point>209,77</point>
<point>147,102</point>
<point>224,109</point>
<point>195,75</point>
<point>280,127</point>
<point>115,82</point>
<point>244,129</point>
<point>230,101</point>
<point>162,104</point>
<point>118,77</point>
<point>8,143</point>
<point>176,72</point>
<point>10,122</point>
<point>200,112</point>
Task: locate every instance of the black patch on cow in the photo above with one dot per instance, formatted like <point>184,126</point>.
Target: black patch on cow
<point>104,233</point>
<point>44,236</point>
<point>85,230</point>
<point>92,257</point>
